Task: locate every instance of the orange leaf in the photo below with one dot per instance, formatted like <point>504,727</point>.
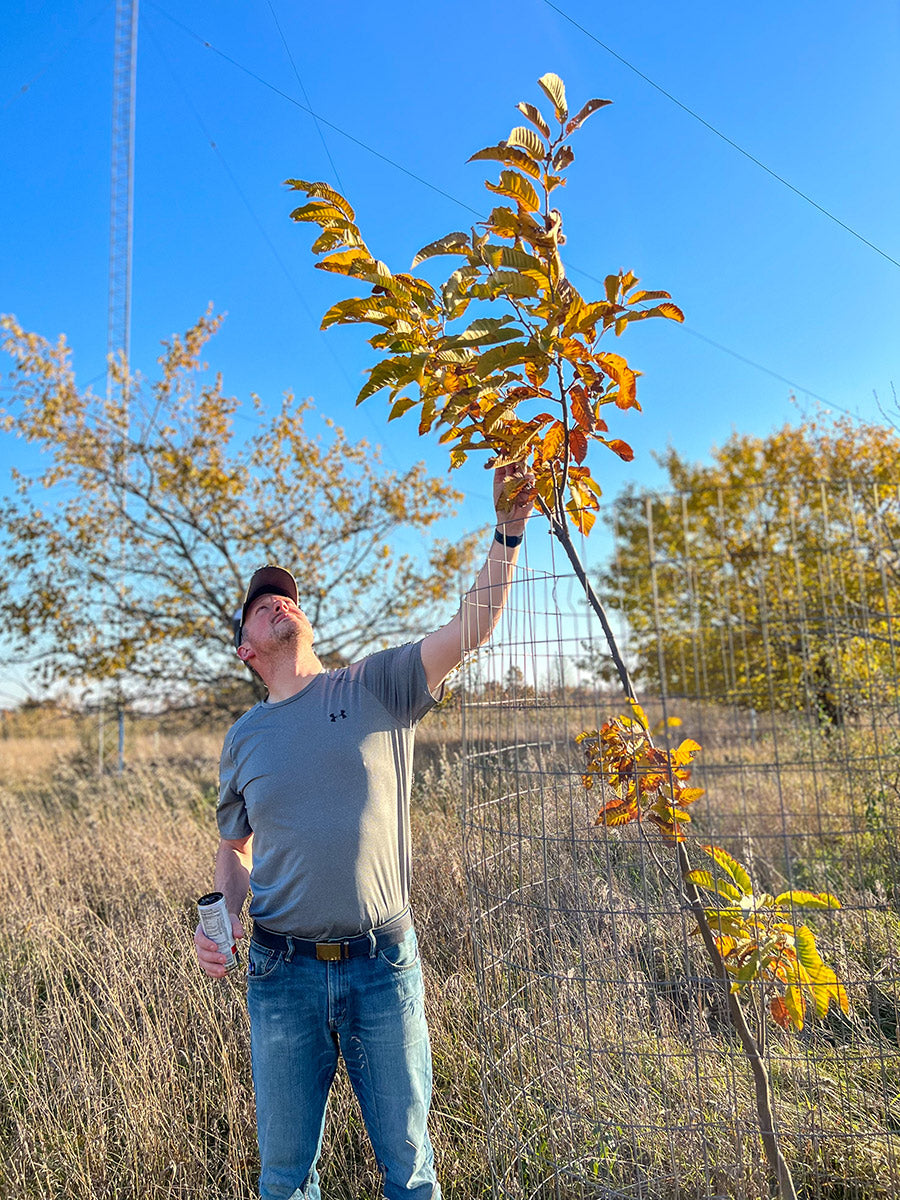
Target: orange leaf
<point>779,1011</point>
<point>581,409</point>
<point>621,448</point>
<point>619,371</point>
<point>578,445</point>
<point>553,441</point>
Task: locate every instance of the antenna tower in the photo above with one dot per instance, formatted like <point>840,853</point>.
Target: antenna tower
<point>121,230</point>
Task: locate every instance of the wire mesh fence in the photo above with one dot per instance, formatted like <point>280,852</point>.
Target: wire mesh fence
<point>769,627</point>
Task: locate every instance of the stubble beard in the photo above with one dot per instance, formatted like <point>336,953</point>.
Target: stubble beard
<point>286,632</point>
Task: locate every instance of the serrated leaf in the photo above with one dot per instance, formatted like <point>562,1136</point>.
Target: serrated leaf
<point>621,448</point>
<point>781,1014</point>
<point>319,211</point>
<point>374,310</point>
<point>672,311</point>
<point>505,283</point>
<point>552,441</point>
<point>535,116</point>
<point>521,260</point>
<point>563,158</point>
<point>637,297</point>
<point>689,795</point>
<point>390,372</point>
<point>619,371</point>
<point>616,814</point>
<point>796,1005</point>
<point>578,445</point>
<point>582,518</point>
<point>583,113</point>
<point>336,233</point>
<point>685,752</point>
<point>511,156</point>
<point>527,140</point>
<point>325,192</point>
<point>808,900</point>
<point>582,413</point>
<point>499,412</point>
<point>486,331</point>
<point>404,404</point>
<point>517,188</point>
<point>807,951</point>
<point>822,998</point>
<point>707,880</point>
<point>450,243</point>
<point>344,260</point>
<point>731,867</point>
<point>555,91</point>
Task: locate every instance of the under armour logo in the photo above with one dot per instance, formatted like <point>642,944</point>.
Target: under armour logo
<point>341,714</point>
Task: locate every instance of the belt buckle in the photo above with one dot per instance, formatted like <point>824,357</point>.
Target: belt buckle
<point>329,951</point>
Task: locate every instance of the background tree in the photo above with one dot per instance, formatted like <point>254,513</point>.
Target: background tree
<point>125,555</point>
<point>770,576</point>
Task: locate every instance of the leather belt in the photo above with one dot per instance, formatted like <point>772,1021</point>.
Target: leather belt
<point>334,950</point>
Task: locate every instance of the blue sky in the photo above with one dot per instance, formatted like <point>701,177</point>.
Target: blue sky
<point>809,90</point>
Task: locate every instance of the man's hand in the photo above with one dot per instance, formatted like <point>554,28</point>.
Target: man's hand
<point>209,956</point>
<point>511,513</point>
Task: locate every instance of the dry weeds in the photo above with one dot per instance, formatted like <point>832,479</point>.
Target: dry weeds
<point>608,1065</point>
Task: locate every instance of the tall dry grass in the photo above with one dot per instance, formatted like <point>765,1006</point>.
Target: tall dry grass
<point>125,1071</point>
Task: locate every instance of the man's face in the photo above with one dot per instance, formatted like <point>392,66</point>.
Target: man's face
<point>274,621</point>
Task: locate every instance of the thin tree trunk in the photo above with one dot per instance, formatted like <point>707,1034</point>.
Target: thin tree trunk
<point>765,1105</point>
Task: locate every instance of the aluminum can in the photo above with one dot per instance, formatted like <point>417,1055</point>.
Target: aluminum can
<point>215,921</point>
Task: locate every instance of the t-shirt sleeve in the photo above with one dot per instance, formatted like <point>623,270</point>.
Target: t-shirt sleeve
<point>397,678</point>
<point>231,812</point>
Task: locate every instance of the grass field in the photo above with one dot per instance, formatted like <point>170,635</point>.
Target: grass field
<point>125,1071</point>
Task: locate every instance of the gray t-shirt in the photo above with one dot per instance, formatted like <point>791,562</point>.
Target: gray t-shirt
<point>322,781</point>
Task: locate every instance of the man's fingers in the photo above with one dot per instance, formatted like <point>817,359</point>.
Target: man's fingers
<point>202,942</point>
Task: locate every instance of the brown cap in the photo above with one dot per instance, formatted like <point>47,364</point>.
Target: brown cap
<point>268,579</point>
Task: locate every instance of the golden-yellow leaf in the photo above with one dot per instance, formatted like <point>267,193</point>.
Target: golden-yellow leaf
<point>553,441</point>
<point>528,140</point>
<point>518,188</point>
<point>535,116</point>
<point>555,91</point>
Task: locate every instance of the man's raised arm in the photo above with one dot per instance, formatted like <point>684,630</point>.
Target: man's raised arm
<point>485,600</point>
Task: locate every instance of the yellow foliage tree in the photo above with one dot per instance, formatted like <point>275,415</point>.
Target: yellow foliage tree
<point>125,555</point>
<point>775,570</point>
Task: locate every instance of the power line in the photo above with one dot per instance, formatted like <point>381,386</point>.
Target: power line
<point>712,128</point>
<point>306,97</point>
<point>214,146</point>
<point>305,108</point>
<point>733,353</point>
<point>717,345</point>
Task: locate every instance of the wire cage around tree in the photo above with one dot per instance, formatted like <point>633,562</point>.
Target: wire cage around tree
<point>769,630</point>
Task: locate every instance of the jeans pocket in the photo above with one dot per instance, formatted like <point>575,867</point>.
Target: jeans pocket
<point>402,956</point>
<point>261,961</point>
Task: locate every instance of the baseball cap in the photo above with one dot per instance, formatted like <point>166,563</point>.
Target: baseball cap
<point>269,579</point>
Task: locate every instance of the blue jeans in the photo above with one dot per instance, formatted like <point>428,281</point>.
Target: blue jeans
<point>303,1013</point>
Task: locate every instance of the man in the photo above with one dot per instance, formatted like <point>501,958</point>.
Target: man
<point>314,819</point>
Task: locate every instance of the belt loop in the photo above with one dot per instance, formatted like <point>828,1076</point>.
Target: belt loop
<point>290,948</point>
<point>373,944</point>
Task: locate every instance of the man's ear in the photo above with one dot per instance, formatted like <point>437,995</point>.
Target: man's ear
<point>244,652</point>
